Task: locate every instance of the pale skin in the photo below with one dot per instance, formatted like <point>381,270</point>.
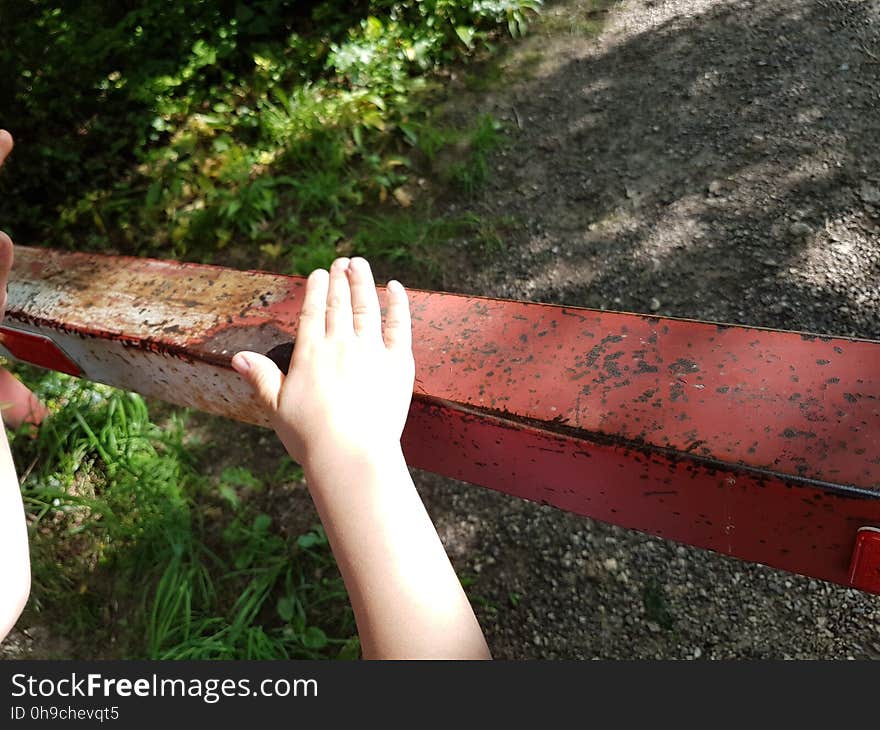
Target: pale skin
<point>340,413</point>
<point>15,567</point>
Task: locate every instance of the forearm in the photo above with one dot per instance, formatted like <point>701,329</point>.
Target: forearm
<point>15,572</point>
<point>407,600</point>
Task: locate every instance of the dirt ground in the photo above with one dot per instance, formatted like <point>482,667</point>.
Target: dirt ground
<point>715,159</point>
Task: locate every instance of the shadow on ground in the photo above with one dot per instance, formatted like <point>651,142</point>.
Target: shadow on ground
<point>721,162</point>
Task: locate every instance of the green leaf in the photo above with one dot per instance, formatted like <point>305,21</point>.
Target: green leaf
<point>239,476</point>
<point>286,608</point>
<point>465,34</point>
<point>153,194</point>
<point>350,650</point>
<point>229,494</point>
<point>314,638</point>
<point>373,28</point>
<point>310,539</point>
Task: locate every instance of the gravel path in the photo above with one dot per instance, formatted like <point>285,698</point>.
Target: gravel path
<point>717,159</point>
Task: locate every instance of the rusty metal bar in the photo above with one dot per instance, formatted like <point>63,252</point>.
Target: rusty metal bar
<point>760,444</point>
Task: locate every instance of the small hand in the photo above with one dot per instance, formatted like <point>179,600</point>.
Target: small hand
<point>350,384</point>
<point>340,411</point>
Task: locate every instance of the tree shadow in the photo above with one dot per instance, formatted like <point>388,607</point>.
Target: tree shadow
<point>720,166</point>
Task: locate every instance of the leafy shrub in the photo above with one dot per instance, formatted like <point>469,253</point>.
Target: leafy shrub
<point>184,128</point>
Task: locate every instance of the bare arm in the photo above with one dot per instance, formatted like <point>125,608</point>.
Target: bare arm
<point>15,567</point>
<point>340,412</point>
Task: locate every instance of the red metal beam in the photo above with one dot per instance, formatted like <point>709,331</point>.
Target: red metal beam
<point>760,444</point>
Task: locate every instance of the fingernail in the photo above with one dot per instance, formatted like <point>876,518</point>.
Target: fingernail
<point>241,364</point>
<point>395,286</point>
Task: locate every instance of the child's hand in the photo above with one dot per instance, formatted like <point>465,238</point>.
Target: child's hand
<point>340,412</point>
<point>349,385</point>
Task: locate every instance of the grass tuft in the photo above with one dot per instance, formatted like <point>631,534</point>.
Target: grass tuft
<point>123,548</point>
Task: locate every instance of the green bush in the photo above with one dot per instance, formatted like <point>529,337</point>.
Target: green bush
<point>181,129</point>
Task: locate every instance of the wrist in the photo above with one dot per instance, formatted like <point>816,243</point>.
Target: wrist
<point>335,462</point>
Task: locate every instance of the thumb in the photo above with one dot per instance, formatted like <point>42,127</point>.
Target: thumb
<point>5,145</point>
<point>262,375</point>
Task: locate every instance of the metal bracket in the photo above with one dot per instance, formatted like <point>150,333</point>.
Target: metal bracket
<point>864,571</point>
<point>37,350</point>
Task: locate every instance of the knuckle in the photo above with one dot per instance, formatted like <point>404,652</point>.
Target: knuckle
<point>361,310</point>
<point>334,301</point>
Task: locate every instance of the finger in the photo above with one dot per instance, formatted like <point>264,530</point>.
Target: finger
<point>6,250</point>
<point>339,320</point>
<point>5,267</point>
<point>312,315</point>
<point>262,375</point>
<point>5,145</point>
<point>398,324</point>
<point>366,315</point>
<point>19,404</point>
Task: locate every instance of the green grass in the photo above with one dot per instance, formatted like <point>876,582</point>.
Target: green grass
<point>471,174</point>
<point>134,546</point>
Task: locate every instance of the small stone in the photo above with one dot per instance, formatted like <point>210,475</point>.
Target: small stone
<point>698,652</point>
<point>654,304</point>
<point>610,564</point>
<point>800,229</point>
<point>715,187</point>
<point>653,627</point>
<point>869,193</point>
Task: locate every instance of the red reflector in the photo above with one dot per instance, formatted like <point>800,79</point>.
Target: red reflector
<point>864,571</point>
<point>37,350</point>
